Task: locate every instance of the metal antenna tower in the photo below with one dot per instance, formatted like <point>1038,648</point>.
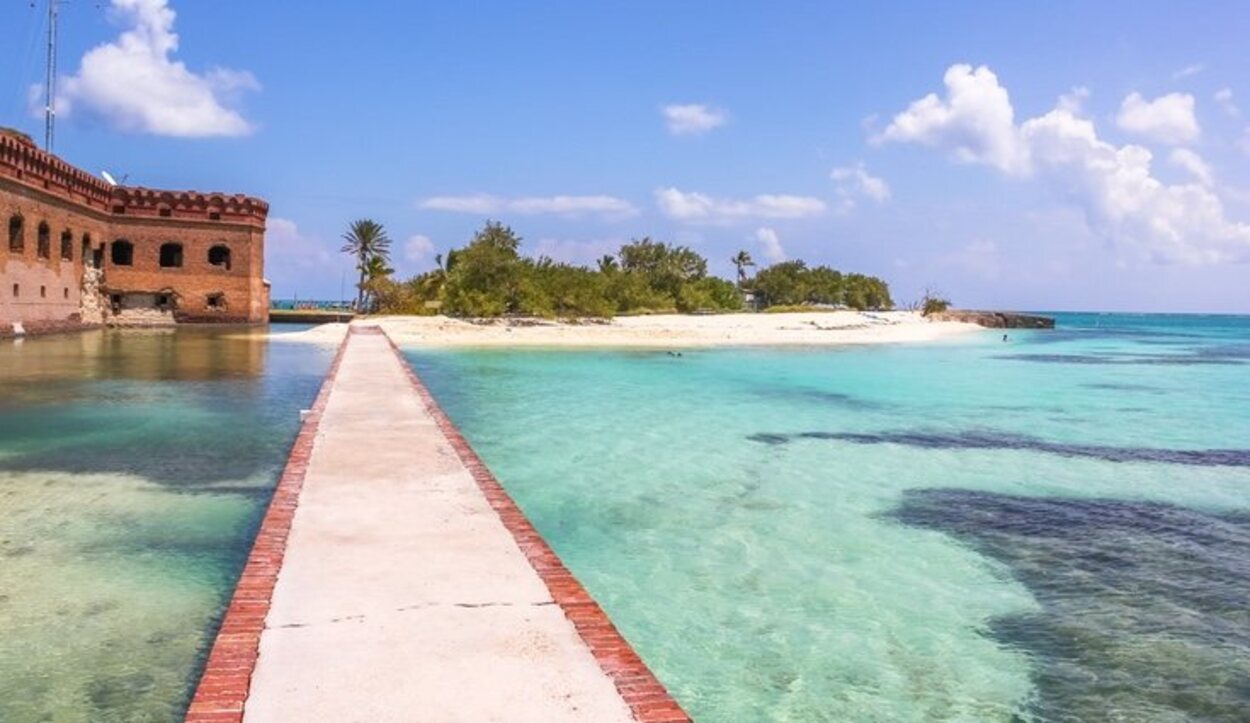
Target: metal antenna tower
<point>49,86</point>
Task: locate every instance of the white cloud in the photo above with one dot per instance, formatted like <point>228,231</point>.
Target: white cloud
<point>135,85</point>
<point>1167,119</point>
<point>1074,100</point>
<point>770,245</point>
<point>1224,98</point>
<point>700,208</point>
<point>418,249</point>
<point>1122,200</point>
<point>975,122</point>
<point>1193,164</point>
<point>572,206</point>
<point>1189,70</point>
<point>855,181</point>
<point>294,259</point>
<point>692,118</point>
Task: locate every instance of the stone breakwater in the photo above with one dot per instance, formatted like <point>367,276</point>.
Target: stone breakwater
<point>996,319</point>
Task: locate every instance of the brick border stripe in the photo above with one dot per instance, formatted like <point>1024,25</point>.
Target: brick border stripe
<point>645,695</point>
<point>227,676</point>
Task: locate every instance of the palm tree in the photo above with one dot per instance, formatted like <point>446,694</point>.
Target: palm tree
<point>366,240</point>
<point>607,264</point>
<point>375,271</point>
<point>741,261</point>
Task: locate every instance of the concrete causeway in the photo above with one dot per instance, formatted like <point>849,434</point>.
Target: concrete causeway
<point>408,585</point>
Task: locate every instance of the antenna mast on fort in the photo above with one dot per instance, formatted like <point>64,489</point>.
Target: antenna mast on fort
<point>49,86</point>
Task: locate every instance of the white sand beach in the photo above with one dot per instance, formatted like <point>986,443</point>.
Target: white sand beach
<point>663,331</point>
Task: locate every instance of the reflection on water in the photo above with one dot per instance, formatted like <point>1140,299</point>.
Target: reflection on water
<point>134,466</point>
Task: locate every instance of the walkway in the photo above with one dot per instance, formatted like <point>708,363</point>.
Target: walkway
<point>409,587</point>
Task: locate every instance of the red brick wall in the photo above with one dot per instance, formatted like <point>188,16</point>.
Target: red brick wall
<point>197,278</point>
<point>41,188</point>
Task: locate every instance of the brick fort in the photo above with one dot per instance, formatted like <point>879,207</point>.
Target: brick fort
<point>79,252</point>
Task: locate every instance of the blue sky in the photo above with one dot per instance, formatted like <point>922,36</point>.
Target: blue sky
<point>1073,155</point>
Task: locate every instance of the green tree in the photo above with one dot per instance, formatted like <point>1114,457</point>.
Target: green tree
<point>867,292</point>
<point>709,294</point>
<point>631,292</point>
<point>366,240</point>
<point>573,291</point>
<point>377,272</point>
<point>741,261</point>
<point>782,284</point>
<point>823,285</point>
<point>487,277</point>
<point>664,267</point>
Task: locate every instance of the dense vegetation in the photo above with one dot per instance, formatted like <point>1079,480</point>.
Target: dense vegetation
<point>489,277</point>
<point>792,283</point>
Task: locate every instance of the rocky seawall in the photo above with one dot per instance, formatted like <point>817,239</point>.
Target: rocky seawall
<point>996,319</point>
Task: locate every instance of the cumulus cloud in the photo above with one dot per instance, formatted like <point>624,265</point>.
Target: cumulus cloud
<point>1224,99</point>
<point>770,245</point>
<point>1193,164</point>
<point>1114,185</point>
<point>692,118</point>
<point>695,207</point>
<point>1167,119</point>
<point>854,182</point>
<point>135,85</point>
<point>571,206</point>
<point>976,122</point>
<point>418,249</point>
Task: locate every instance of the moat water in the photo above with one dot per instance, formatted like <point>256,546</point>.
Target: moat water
<point>1056,528</point>
<point>134,467</point>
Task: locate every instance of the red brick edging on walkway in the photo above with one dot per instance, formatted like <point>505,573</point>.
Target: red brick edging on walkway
<point>227,677</point>
<point>645,695</point>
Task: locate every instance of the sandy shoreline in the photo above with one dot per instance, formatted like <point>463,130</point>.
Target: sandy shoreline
<point>660,331</point>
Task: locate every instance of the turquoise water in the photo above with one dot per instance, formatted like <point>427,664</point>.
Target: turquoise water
<point>134,466</point>
<point>1052,528</point>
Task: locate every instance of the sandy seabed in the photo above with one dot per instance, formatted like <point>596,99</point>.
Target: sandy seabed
<point>659,331</point>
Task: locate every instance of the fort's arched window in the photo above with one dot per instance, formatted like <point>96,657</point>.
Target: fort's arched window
<point>67,245</point>
<point>17,234</point>
<point>44,250</point>
<point>219,256</point>
<point>86,250</point>
<point>123,253</point>
<point>171,255</point>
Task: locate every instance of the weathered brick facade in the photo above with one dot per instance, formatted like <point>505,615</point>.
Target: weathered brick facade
<point>76,251</point>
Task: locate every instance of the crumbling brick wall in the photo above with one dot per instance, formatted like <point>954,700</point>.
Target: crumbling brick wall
<point>217,274</point>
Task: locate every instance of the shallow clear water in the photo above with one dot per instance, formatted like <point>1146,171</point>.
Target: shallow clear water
<point>1052,528</point>
<point>134,466</point>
